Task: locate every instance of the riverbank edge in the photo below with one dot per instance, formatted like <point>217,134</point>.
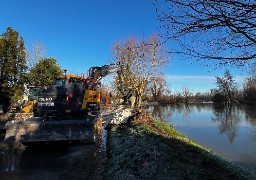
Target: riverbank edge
<point>145,148</point>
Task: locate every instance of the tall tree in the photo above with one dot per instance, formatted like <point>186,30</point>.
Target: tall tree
<point>139,61</point>
<point>157,87</point>
<point>250,86</point>
<point>35,54</point>
<point>12,66</point>
<point>226,86</point>
<point>187,94</point>
<point>44,72</point>
<point>250,90</point>
<point>210,29</point>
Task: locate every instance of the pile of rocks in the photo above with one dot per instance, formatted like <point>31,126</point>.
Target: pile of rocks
<point>119,115</point>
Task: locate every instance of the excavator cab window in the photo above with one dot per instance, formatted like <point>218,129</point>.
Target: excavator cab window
<point>60,82</point>
<point>75,80</point>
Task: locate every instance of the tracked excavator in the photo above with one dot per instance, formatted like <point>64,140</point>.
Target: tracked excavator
<point>65,111</point>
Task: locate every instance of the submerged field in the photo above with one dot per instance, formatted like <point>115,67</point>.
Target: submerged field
<point>149,149</point>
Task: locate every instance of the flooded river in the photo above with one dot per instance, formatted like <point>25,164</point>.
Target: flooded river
<point>228,131</point>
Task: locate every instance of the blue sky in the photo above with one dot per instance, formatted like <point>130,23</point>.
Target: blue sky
<point>81,33</point>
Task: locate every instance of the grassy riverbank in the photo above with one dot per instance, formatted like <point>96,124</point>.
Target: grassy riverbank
<point>149,149</point>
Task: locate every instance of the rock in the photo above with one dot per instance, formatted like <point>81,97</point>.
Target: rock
<point>117,116</point>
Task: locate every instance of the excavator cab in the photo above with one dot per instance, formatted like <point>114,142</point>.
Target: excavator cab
<point>65,96</point>
<point>62,80</point>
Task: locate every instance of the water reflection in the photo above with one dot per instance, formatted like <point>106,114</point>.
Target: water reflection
<point>228,118</point>
<point>47,160</point>
<point>203,107</point>
<point>10,155</point>
<point>185,110</point>
<point>229,131</point>
<point>164,113</point>
<point>250,112</point>
<point>161,112</point>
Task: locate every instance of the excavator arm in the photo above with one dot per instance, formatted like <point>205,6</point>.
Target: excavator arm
<point>95,74</point>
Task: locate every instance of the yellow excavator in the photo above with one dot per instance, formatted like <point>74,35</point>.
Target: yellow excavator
<point>73,94</point>
<point>26,106</point>
<point>34,91</point>
<point>56,107</point>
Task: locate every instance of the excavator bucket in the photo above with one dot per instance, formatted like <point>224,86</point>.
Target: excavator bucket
<point>41,130</point>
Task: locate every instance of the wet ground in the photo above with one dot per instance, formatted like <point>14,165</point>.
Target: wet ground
<point>63,160</point>
<point>58,161</point>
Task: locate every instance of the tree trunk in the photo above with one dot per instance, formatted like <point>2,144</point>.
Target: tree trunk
<point>138,99</point>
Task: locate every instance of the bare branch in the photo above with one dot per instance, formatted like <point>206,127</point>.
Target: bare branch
<point>138,61</point>
<point>213,29</point>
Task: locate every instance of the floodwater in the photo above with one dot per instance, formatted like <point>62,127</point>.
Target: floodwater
<point>228,131</point>
<point>44,161</point>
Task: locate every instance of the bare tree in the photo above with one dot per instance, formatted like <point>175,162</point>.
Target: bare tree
<point>250,90</point>
<point>139,61</point>
<point>250,85</point>
<point>157,87</point>
<point>226,86</point>
<point>187,94</point>
<point>210,29</point>
<point>38,52</point>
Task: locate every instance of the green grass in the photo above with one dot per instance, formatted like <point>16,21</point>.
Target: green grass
<point>156,150</point>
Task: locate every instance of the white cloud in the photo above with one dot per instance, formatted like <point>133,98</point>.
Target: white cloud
<point>190,78</point>
<point>197,83</point>
<point>238,79</point>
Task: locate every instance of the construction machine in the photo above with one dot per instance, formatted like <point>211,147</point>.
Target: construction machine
<point>25,105</point>
<point>72,94</point>
<point>33,93</point>
<point>65,111</point>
